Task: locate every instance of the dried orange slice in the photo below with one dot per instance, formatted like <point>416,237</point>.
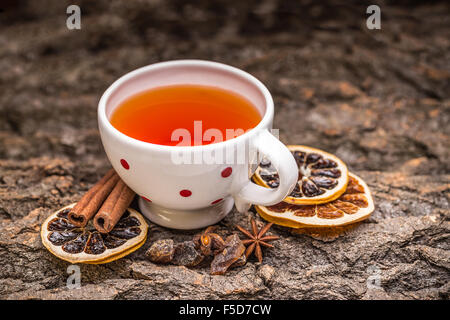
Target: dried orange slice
<point>354,205</point>
<point>322,177</point>
<point>87,245</point>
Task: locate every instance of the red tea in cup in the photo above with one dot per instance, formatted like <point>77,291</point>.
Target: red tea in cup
<point>202,112</point>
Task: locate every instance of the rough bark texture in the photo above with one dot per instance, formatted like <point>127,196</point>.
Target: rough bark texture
<point>379,99</point>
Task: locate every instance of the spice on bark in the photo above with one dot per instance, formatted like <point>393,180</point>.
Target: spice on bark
<point>225,255</point>
<point>208,242</point>
<point>256,239</point>
<point>232,253</point>
<point>162,251</point>
<point>186,255</point>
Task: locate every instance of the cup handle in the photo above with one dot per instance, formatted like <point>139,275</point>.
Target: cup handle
<point>282,159</point>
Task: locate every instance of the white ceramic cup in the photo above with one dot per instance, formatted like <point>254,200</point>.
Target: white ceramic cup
<point>194,195</point>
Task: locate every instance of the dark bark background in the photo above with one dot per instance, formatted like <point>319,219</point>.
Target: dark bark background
<point>379,99</point>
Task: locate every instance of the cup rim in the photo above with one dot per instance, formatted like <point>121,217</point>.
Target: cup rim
<point>104,121</point>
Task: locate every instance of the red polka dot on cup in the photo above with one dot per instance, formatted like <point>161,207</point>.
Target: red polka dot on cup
<point>217,201</point>
<point>226,172</point>
<point>185,193</point>
<point>124,164</point>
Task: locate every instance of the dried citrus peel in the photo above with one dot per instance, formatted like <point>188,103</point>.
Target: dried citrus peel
<point>354,205</point>
<point>85,245</point>
<point>322,177</point>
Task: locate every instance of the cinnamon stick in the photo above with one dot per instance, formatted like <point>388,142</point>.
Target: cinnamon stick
<point>89,204</point>
<point>113,208</point>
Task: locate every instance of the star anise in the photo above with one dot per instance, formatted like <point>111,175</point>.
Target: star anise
<point>257,239</point>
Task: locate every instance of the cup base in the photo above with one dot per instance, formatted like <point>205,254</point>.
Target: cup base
<point>186,219</point>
